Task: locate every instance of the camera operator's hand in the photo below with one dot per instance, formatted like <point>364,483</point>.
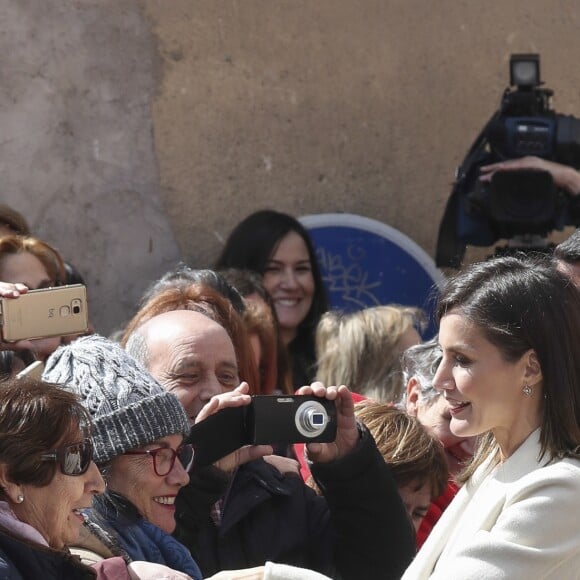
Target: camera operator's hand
<point>239,397</point>
<point>564,176</point>
<point>347,434</point>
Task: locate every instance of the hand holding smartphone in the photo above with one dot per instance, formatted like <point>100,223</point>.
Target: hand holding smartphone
<point>44,313</point>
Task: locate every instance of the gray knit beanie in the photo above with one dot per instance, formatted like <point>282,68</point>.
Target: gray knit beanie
<point>129,408</point>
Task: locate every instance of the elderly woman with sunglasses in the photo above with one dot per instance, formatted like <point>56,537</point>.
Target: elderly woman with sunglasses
<point>47,477</point>
<point>138,429</point>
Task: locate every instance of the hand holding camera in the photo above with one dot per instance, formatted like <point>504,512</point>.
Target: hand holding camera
<point>239,397</point>
<point>519,178</point>
<point>235,427</point>
<point>564,176</point>
<point>347,434</point>
<point>10,292</point>
<point>44,312</point>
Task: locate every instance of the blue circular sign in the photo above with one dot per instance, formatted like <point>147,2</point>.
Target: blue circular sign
<point>367,263</point>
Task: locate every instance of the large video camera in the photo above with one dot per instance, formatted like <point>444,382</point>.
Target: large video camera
<point>520,206</point>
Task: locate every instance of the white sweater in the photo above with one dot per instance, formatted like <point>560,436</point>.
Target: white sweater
<point>520,520</point>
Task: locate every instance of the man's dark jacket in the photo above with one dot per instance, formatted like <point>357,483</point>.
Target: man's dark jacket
<point>358,530</point>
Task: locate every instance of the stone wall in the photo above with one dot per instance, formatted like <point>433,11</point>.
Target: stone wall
<point>139,132</point>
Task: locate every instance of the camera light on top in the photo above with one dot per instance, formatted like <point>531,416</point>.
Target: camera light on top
<point>525,70</point>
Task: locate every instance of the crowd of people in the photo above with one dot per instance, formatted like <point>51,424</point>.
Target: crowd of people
<point>455,456</point>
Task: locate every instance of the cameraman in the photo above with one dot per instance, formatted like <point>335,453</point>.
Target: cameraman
<point>564,176</point>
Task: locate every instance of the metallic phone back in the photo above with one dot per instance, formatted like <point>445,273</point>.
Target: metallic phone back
<point>45,312</point>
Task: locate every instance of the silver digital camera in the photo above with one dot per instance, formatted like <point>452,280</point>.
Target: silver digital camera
<point>290,419</point>
<point>268,420</point>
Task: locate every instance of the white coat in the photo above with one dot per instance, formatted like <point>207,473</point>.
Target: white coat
<point>518,520</point>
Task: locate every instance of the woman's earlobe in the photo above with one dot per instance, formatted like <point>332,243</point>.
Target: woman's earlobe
<point>3,476</point>
<point>12,491</point>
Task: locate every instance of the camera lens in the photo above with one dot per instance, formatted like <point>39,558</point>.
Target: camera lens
<point>76,309</point>
<point>311,419</point>
<point>317,418</point>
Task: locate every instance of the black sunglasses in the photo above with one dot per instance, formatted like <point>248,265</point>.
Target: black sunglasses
<point>164,458</point>
<point>73,459</point>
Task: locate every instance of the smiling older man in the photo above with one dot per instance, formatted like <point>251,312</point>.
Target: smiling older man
<point>358,530</point>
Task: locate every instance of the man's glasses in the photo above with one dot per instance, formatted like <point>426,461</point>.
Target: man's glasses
<point>164,458</point>
<point>73,459</point>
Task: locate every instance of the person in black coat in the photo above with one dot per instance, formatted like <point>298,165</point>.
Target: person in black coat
<point>242,511</point>
<point>357,530</point>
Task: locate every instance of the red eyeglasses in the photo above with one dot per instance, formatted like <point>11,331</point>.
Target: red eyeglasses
<point>164,458</point>
<point>73,459</point>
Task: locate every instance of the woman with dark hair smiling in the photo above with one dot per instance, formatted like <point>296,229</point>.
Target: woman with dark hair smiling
<point>510,372</point>
<point>277,246</point>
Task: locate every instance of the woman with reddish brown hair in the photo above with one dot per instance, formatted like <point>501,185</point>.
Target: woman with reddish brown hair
<point>31,262</point>
<point>262,325</point>
<point>262,335</point>
<point>186,295</point>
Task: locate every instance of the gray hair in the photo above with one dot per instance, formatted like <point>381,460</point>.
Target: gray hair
<point>137,347</point>
<point>421,362</point>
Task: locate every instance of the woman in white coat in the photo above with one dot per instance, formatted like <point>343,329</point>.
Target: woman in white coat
<point>510,335</point>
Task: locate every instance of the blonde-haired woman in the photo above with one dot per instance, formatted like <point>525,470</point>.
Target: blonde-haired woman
<point>362,349</point>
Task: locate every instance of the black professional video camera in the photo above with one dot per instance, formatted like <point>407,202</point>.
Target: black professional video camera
<point>516,205</point>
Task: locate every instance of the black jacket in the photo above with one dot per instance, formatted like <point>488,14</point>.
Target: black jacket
<point>22,560</point>
<point>358,530</point>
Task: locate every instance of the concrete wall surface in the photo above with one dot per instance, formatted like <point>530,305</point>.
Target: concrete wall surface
<point>137,132</point>
<point>77,151</point>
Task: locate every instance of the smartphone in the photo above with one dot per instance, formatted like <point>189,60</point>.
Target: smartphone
<point>44,313</point>
<point>33,370</point>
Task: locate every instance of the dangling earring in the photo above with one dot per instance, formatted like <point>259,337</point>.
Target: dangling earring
<point>19,498</point>
<point>527,390</point>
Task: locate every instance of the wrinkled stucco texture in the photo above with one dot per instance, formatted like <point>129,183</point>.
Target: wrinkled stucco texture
<point>138,133</point>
